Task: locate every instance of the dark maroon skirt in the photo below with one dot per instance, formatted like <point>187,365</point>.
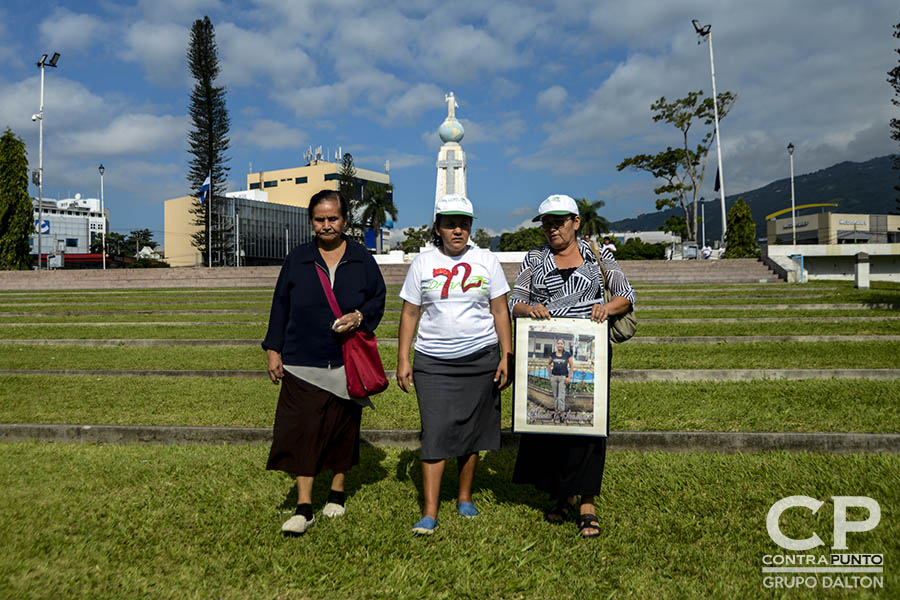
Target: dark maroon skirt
<point>314,430</point>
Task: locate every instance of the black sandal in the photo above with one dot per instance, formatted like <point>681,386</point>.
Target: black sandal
<point>560,511</point>
<point>588,521</point>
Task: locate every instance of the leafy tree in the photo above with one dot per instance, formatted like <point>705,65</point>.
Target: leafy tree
<point>377,202</point>
<point>482,239</point>
<point>208,137</point>
<point>591,221</point>
<point>894,80</point>
<point>115,244</point>
<point>683,168</point>
<point>636,249</point>
<point>415,238</point>
<point>741,232</point>
<point>16,210</point>
<point>137,239</point>
<point>523,239</point>
<point>677,225</point>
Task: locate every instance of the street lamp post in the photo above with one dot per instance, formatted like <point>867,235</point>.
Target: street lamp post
<point>102,170</point>
<point>790,149</point>
<point>39,117</point>
<point>705,31</point>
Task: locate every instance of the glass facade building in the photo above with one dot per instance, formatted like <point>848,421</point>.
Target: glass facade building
<point>261,233</point>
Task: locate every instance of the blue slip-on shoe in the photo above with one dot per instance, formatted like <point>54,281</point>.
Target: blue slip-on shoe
<point>466,509</point>
<point>425,526</point>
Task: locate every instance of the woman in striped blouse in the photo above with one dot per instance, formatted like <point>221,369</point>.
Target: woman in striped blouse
<point>563,279</point>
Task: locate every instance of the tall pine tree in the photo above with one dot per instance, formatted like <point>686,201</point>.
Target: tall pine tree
<point>208,138</point>
<point>16,211</point>
<point>894,80</point>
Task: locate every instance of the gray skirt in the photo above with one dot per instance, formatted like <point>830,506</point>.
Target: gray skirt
<point>459,404</point>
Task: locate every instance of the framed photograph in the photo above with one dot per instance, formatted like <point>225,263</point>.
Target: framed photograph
<point>560,384</point>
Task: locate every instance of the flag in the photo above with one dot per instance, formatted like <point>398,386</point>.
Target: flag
<point>718,185</point>
<point>205,188</point>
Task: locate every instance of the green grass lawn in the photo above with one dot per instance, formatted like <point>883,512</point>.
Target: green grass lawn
<point>257,331</point>
<point>106,521</point>
<point>763,355</point>
<point>812,405</point>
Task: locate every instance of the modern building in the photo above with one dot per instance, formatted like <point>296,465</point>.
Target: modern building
<point>834,228</point>
<point>295,186</point>
<point>261,224</point>
<point>68,225</point>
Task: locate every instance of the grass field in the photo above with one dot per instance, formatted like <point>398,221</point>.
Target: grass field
<point>110,521</point>
<point>762,355</point>
<point>202,522</point>
<point>835,405</point>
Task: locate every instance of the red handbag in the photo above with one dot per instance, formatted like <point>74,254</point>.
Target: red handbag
<point>362,363</point>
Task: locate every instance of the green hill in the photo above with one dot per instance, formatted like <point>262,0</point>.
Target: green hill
<point>866,187</point>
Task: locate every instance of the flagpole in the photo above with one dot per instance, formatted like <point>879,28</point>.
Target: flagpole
<point>209,223</point>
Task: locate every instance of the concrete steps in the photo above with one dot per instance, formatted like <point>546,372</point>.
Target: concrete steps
<point>648,271</point>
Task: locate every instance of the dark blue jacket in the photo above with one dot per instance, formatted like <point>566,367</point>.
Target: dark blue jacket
<point>301,318</point>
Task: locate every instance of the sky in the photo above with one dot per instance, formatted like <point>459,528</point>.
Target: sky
<point>552,95</point>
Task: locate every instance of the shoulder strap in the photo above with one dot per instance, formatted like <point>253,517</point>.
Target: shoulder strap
<point>596,252</point>
<point>329,293</point>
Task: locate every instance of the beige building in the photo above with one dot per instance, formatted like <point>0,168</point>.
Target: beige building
<point>835,228</point>
<point>288,187</point>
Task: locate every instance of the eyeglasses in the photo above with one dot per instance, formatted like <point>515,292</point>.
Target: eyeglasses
<point>551,223</point>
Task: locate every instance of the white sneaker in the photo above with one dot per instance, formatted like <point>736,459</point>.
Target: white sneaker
<point>297,525</point>
<point>332,510</point>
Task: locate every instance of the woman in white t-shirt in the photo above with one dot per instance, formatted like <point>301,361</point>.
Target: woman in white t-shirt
<point>463,353</point>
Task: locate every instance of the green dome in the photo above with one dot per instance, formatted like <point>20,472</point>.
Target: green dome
<point>451,130</point>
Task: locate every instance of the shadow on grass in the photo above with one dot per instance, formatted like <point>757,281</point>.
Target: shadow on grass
<point>492,478</point>
<point>370,470</point>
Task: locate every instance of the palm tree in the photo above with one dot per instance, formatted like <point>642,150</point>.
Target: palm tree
<point>591,222</point>
<point>376,203</point>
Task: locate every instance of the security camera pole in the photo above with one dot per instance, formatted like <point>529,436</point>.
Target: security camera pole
<point>40,118</point>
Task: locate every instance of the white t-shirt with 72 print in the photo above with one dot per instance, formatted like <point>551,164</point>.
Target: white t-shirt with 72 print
<point>454,293</point>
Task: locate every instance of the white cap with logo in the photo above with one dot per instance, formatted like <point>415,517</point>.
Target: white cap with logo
<point>557,204</point>
<point>454,204</point>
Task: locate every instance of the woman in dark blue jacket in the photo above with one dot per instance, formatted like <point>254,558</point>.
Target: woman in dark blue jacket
<point>317,423</point>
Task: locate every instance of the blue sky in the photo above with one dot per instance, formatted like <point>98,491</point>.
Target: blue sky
<point>553,95</point>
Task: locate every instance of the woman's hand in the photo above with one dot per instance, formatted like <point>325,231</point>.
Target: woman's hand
<point>599,313</point>
<point>348,322</point>
<point>503,375</point>
<point>404,374</point>
<point>617,305</point>
<point>275,367</point>
<point>538,311</point>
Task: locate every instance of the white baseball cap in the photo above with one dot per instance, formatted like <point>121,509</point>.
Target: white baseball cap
<point>557,204</point>
<point>454,204</point>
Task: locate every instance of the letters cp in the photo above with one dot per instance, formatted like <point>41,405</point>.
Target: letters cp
<point>841,524</point>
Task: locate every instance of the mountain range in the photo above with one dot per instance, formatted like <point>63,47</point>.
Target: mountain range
<point>857,187</point>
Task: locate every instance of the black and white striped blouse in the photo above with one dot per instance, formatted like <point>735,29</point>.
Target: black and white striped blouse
<point>539,282</point>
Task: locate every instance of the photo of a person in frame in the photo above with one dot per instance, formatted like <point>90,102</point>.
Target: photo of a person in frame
<point>561,366</point>
<point>560,378</point>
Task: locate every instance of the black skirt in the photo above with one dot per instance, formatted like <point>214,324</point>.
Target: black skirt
<point>562,465</point>
<point>314,430</point>
<point>459,404</point>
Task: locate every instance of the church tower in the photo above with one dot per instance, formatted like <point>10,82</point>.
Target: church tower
<point>451,161</point>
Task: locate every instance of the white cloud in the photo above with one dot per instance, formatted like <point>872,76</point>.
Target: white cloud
<point>414,101</point>
<point>160,49</point>
<point>246,55</point>
<point>553,98</point>
<point>266,133</point>
<point>128,134</point>
<point>65,30</point>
